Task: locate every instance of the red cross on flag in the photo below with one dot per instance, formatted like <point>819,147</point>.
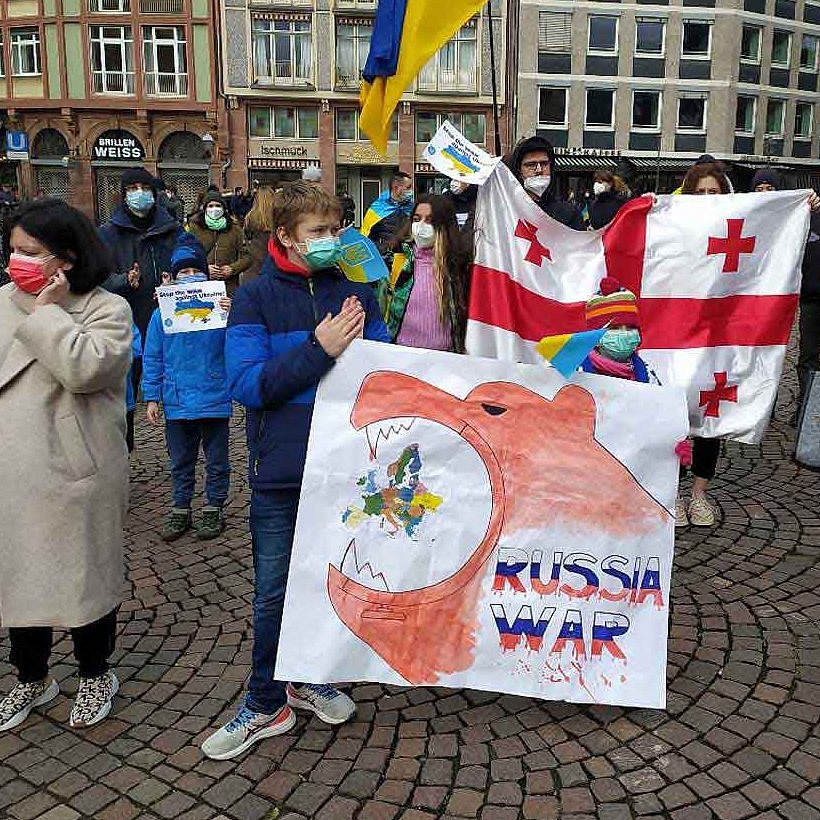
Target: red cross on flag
<point>717,279</point>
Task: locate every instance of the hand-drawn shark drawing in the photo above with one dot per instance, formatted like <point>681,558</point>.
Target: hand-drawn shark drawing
<point>544,466</point>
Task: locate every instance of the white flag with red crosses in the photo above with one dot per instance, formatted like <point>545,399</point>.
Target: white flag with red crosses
<point>717,280</point>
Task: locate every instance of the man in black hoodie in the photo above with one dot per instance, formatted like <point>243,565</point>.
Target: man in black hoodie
<point>532,161</point>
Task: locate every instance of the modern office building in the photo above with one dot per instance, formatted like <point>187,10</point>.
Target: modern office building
<point>98,85</point>
<point>649,86</point>
<point>291,79</point>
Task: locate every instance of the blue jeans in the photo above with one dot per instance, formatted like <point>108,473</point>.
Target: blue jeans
<point>273,519</point>
<point>183,437</point>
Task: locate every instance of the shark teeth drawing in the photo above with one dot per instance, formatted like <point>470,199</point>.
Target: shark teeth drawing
<point>363,573</point>
<point>381,431</point>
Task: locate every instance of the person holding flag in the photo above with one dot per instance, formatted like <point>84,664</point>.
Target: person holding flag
<point>385,217</point>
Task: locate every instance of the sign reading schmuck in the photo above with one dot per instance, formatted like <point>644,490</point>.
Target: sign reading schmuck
<point>467,522</point>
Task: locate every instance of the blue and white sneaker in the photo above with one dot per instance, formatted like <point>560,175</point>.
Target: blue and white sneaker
<point>325,701</point>
<point>247,728</point>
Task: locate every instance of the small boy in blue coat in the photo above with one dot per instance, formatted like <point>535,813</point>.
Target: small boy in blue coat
<point>130,391</point>
<point>185,372</point>
<point>286,329</point>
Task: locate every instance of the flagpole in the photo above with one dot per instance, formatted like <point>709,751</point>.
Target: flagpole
<point>494,82</point>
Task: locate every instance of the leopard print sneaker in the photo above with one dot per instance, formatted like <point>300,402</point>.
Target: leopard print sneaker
<point>17,705</point>
<point>94,699</point>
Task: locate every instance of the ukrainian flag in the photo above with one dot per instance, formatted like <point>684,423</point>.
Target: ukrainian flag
<point>360,260</point>
<point>380,209</point>
<point>406,34</point>
<point>566,351</point>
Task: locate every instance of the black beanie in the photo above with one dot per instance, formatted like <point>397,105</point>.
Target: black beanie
<point>767,175</point>
<point>213,196</point>
<point>133,175</point>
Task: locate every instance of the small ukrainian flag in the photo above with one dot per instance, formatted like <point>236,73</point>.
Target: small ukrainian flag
<point>566,351</point>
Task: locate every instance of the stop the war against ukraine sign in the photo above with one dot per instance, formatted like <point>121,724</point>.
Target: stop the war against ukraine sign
<point>468,522</point>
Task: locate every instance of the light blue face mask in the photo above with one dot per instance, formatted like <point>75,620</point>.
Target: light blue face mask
<point>184,278</point>
<point>323,252</point>
<point>620,344</point>
<point>140,201</point>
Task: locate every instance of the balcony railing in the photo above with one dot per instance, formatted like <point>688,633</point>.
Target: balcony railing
<point>434,79</point>
<point>347,79</point>
<point>161,6</point>
<point>166,84</point>
<point>108,6</point>
<point>283,72</point>
<point>112,82</point>
<point>357,4</point>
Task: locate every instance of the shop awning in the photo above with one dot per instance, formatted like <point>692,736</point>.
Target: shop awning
<point>665,163</point>
<point>578,163</point>
<point>282,164</point>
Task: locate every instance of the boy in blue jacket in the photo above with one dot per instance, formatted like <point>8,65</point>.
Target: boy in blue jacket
<point>285,330</point>
<point>185,372</point>
<point>130,391</point>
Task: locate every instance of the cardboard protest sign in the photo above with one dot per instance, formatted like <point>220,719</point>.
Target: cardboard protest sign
<point>192,306</point>
<point>453,155</point>
<point>474,523</point>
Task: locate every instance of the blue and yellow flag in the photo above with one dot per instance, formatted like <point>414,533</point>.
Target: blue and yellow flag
<point>406,34</point>
<point>566,351</point>
<point>360,260</point>
<point>381,208</point>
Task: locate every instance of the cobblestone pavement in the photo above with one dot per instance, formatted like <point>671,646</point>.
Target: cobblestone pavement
<point>740,737</point>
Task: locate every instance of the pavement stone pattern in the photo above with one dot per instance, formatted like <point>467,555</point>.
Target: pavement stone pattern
<point>740,737</point>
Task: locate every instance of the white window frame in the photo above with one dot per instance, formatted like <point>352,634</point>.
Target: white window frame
<point>267,30</point>
<point>432,77</point>
<point>752,60</point>
<point>542,123</point>
<point>754,100</point>
<point>603,52</point>
<point>651,54</point>
<point>96,35</point>
<point>180,73</point>
<point>710,24</point>
<point>790,35</point>
<point>110,6</point>
<point>272,135</point>
<point>647,129</point>
<point>599,127</point>
<point>810,69</point>
<point>782,131</point>
<point>685,129</point>
<point>361,44</point>
<point>544,29</point>
<point>360,136</point>
<point>25,38</point>
<point>811,121</point>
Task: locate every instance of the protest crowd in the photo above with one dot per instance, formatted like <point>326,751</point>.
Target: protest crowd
<point>83,339</point>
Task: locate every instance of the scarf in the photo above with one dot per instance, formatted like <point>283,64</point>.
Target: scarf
<point>609,367</point>
<point>280,257</point>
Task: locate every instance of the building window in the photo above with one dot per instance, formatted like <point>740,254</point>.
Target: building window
<point>750,44</point>
<point>283,122</point>
<point>352,45</point>
<point>781,49</point>
<point>775,117</point>
<point>552,106</point>
<point>646,110</point>
<point>808,52</point>
<point>347,126</point>
<point>803,120</point>
<point>603,34</point>
<point>600,107</point>
<point>697,38</point>
<point>745,117</point>
<point>554,32</point>
<point>692,113</point>
<point>650,36</point>
<point>282,51</point>
<point>25,52</point>
<point>120,6</point>
<point>112,60</point>
<point>473,126</point>
<point>164,61</point>
<point>454,66</point>
<point>2,57</point>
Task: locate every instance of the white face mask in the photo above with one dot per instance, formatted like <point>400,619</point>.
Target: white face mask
<point>537,184</point>
<point>601,187</point>
<point>424,234</point>
<point>215,212</point>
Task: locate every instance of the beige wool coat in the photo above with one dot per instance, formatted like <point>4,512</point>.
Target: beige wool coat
<point>63,459</point>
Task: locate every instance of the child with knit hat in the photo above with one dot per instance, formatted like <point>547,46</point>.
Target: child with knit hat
<point>185,372</point>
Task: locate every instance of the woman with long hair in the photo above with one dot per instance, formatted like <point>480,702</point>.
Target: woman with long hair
<point>258,225</point>
<point>424,298</point>
<point>610,194</point>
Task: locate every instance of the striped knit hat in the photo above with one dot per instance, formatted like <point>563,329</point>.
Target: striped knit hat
<point>612,304</point>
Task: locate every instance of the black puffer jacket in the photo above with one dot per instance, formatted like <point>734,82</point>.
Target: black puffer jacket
<point>811,261</point>
<point>563,212</point>
<point>602,208</point>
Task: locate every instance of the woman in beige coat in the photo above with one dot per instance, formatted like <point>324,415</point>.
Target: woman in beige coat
<point>65,348</point>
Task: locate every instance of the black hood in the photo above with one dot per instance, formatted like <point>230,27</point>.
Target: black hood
<point>527,146</point>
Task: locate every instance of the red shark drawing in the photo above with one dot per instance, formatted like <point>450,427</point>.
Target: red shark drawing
<point>544,466</point>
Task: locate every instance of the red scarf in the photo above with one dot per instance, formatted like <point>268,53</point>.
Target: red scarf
<point>280,256</point>
<point>609,367</point>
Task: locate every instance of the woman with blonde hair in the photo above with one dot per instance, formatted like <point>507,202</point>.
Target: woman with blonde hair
<point>258,226</point>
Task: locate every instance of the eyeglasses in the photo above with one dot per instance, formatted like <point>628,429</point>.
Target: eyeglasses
<point>536,165</point>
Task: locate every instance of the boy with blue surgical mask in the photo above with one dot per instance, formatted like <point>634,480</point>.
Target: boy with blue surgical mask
<point>185,373</point>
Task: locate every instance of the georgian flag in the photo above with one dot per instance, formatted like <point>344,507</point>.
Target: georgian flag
<point>717,279</point>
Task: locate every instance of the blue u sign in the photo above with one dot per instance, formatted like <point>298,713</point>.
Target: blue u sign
<point>17,141</point>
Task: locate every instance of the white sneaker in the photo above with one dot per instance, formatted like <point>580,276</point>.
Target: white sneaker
<point>24,697</point>
<point>325,701</point>
<point>94,700</point>
<point>701,512</point>
<point>681,518</point>
<point>247,728</point>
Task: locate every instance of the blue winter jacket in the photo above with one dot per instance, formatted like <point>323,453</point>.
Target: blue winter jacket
<point>274,362</point>
<point>185,372</point>
<point>136,353</point>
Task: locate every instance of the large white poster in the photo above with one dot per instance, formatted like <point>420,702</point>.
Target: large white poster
<point>468,522</point>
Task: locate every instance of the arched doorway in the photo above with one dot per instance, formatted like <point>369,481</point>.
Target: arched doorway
<point>49,157</point>
<point>183,163</point>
